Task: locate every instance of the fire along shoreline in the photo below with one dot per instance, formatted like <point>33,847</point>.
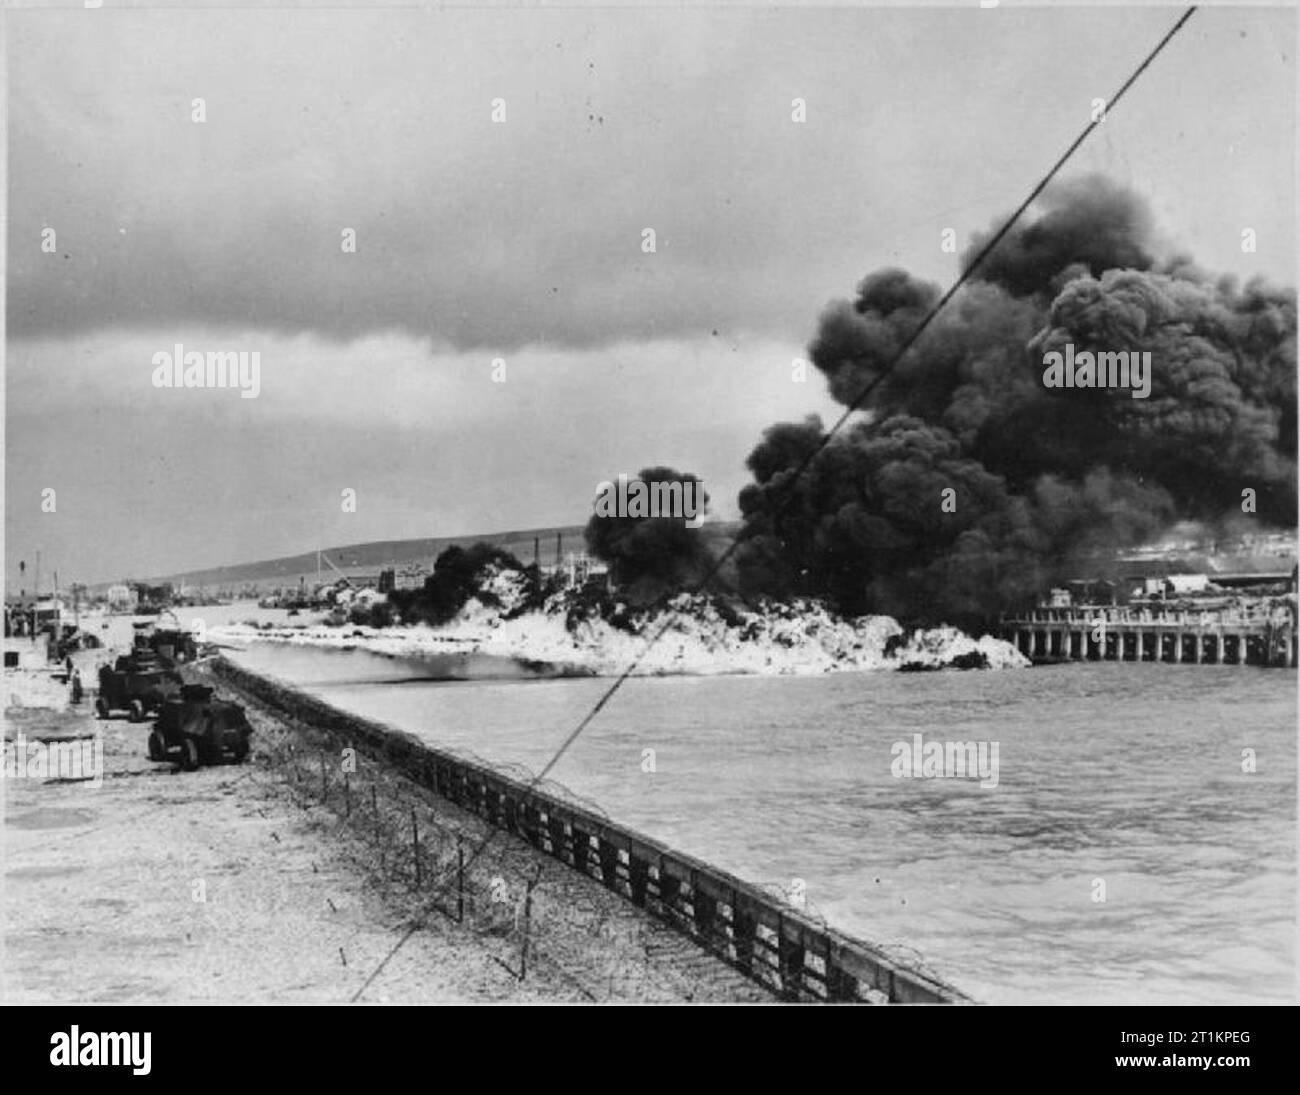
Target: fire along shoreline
<point>795,640</point>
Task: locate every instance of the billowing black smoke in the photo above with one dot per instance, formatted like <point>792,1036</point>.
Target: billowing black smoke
<point>650,557</point>
<point>968,483</point>
<point>458,574</point>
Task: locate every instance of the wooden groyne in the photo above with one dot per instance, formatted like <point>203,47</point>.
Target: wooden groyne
<point>767,939</point>
<point>1226,636</point>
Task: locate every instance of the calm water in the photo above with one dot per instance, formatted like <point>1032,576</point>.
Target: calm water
<point>1128,774</point>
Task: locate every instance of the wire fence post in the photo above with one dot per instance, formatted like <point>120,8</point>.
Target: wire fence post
<point>528,919</point>
<point>377,830</point>
<point>460,881</point>
<point>415,845</point>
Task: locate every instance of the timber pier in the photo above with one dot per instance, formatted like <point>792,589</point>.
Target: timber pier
<point>1250,634</point>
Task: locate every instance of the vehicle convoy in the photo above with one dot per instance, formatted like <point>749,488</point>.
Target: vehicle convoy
<point>137,684</point>
<point>73,639</point>
<point>196,729</point>
<point>173,644</point>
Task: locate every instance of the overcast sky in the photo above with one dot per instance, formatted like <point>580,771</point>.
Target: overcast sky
<point>522,240</point>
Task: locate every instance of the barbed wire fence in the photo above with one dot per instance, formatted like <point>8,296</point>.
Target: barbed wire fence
<point>532,916</point>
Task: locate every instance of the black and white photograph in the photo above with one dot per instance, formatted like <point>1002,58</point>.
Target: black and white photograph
<point>642,504</point>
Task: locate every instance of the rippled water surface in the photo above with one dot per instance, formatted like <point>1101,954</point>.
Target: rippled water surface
<point>1127,774</point>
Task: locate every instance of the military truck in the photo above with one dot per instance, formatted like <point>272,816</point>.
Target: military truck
<point>174,645</point>
<point>137,684</point>
<point>195,729</point>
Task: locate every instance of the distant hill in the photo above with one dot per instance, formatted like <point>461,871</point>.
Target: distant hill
<point>369,558</point>
<point>1276,553</point>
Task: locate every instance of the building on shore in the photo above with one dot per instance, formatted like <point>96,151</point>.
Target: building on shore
<point>121,598</point>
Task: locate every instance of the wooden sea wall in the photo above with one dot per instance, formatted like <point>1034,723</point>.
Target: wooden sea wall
<point>768,939</point>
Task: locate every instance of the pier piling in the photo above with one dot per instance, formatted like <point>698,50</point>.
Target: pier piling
<point>1250,636</point>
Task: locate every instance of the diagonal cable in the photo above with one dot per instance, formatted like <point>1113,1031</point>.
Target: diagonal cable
<point>671,617</point>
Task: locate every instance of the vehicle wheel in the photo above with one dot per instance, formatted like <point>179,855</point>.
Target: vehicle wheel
<point>241,751</point>
<point>190,755</point>
<point>101,708</point>
<point>137,711</point>
<point>157,751</point>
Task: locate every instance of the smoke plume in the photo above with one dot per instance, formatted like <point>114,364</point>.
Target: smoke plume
<point>1043,480</point>
<point>651,556</point>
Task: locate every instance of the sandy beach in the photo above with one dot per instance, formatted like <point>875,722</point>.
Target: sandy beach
<point>241,884</point>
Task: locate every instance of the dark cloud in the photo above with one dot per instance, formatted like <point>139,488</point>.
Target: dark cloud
<point>491,236</point>
<point>476,234</point>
